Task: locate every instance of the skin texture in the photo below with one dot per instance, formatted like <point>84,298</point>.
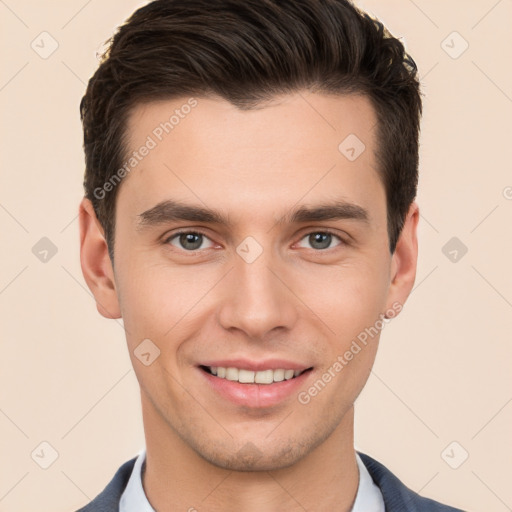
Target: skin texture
<point>295,301</point>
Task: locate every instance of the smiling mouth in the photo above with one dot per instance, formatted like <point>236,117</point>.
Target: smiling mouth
<point>253,377</point>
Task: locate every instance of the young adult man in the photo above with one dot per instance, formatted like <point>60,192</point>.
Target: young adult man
<point>251,170</point>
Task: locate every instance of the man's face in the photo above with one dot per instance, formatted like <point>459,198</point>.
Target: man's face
<point>259,291</point>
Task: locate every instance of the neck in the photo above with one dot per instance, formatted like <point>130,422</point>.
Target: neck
<point>178,478</point>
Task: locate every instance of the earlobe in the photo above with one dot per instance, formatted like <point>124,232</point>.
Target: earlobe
<point>404,259</point>
<point>95,262</point>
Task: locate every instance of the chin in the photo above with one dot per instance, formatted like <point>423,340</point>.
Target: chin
<point>250,459</point>
<point>264,455</point>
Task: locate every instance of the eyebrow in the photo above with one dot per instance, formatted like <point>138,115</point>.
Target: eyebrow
<point>170,210</point>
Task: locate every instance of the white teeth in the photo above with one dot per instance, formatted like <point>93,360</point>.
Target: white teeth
<point>264,377</point>
<point>245,376</point>
<point>278,375</point>
<point>252,377</point>
<point>232,373</point>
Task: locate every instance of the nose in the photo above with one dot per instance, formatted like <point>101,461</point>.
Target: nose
<point>258,299</point>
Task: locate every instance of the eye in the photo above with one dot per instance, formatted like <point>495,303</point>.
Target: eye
<point>191,241</point>
<point>321,240</point>
<point>188,240</point>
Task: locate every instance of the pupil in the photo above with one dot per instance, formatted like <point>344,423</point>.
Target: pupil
<point>189,238</point>
<point>323,238</point>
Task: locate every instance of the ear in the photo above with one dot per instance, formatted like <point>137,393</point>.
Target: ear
<point>95,261</point>
<point>404,260</point>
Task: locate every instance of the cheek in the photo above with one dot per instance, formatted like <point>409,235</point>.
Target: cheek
<point>160,302</point>
<point>353,315</point>
<point>351,299</point>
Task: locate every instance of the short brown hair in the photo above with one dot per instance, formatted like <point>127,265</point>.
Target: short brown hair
<point>247,52</point>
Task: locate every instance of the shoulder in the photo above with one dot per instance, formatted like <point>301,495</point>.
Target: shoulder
<point>398,497</point>
<point>108,499</point>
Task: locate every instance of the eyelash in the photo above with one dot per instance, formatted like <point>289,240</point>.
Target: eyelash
<point>199,232</point>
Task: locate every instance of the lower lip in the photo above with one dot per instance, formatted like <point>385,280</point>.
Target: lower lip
<point>255,395</point>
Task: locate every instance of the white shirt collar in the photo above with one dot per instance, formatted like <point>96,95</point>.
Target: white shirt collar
<point>368,498</point>
<point>134,498</point>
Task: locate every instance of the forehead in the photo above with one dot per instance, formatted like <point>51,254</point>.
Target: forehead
<point>298,146</point>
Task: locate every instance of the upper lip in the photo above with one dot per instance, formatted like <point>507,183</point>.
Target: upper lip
<point>246,364</point>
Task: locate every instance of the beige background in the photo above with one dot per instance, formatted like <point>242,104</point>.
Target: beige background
<point>443,369</point>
